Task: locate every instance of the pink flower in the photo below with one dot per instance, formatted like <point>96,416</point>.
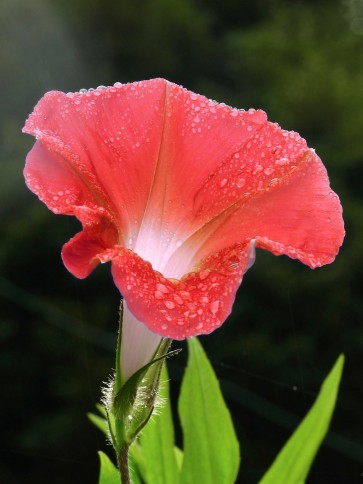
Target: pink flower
<point>177,191</point>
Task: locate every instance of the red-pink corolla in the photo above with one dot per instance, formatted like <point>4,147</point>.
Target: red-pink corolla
<point>177,191</point>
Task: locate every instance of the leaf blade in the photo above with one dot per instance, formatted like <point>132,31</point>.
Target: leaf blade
<point>108,472</point>
<point>293,462</point>
<point>211,449</point>
<point>157,441</point>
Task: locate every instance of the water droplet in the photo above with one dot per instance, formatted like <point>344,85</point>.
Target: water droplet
<point>223,182</point>
<point>185,295</point>
<point>204,300</point>
<point>178,299</point>
<point>199,326</point>
<point>257,169</point>
<point>204,274</point>
<point>282,161</point>
<point>162,288</point>
<point>214,306</point>
<point>268,170</point>
<point>169,304</point>
<point>164,326</point>
<point>241,182</point>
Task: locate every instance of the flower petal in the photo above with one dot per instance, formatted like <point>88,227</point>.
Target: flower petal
<point>141,151</point>
<point>51,176</point>
<point>275,191</point>
<point>198,303</point>
<point>191,186</point>
<point>81,254</point>
<point>105,143</point>
<point>138,344</point>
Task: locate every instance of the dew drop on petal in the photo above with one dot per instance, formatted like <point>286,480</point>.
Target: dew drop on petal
<point>257,169</point>
<point>203,274</point>
<point>241,182</point>
<point>159,295</point>
<point>223,182</point>
<point>162,288</point>
<point>178,299</point>
<point>169,304</point>
<point>282,161</point>
<point>214,306</point>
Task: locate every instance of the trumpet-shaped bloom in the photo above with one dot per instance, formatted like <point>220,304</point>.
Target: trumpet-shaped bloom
<point>177,191</point>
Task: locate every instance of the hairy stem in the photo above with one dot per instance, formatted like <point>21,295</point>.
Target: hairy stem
<point>123,464</point>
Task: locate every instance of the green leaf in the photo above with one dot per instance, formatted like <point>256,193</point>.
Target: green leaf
<point>157,441</point>
<point>179,455</point>
<point>99,422</point>
<point>294,461</point>
<point>108,472</point>
<point>211,450</point>
<point>135,469</point>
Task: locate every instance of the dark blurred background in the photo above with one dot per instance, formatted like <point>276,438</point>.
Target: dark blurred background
<point>302,62</point>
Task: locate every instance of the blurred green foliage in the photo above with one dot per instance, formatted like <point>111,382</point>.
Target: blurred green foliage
<point>301,61</point>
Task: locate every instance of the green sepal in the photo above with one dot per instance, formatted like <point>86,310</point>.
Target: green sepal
<point>131,403</point>
<point>134,403</point>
